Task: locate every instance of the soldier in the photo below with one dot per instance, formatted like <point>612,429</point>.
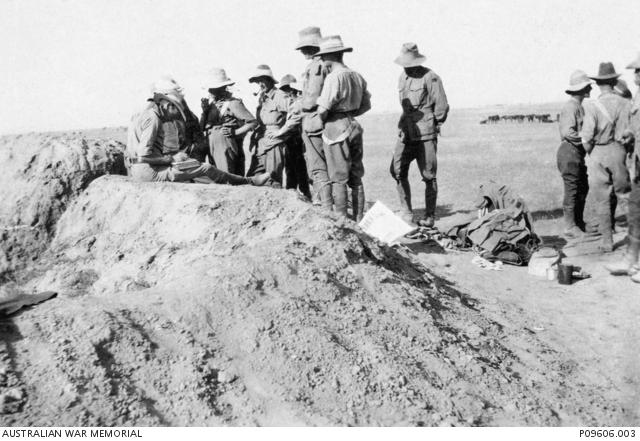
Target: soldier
<point>622,89</point>
<point>179,135</point>
<point>424,110</point>
<point>313,79</point>
<point>571,154</point>
<point>225,120</point>
<point>295,167</point>
<point>145,145</point>
<point>267,146</point>
<point>605,132</point>
<point>630,265</point>
<point>344,96</point>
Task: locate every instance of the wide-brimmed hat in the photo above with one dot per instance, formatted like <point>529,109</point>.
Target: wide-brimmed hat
<point>578,81</point>
<point>165,84</point>
<point>288,80</point>
<point>622,89</point>
<point>217,78</point>
<point>332,44</point>
<point>635,64</point>
<point>174,98</point>
<point>309,37</point>
<point>410,56</point>
<point>262,71</point>
<point>606,71</point>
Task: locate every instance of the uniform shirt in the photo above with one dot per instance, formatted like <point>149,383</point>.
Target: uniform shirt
<point>272,108</point>
<point>312,82</point>
<point>293,123</point>
<point>424,105</point>
<point>345,91</point>
<point>597,128</point>
<point>146,135</point>
<point>570,121</point>
<point>173,136</point>
<point>235,114</point>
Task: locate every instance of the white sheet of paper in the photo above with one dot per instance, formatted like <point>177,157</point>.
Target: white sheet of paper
<point>382,223</point>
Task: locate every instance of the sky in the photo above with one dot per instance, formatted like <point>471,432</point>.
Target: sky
<point>73,64</point>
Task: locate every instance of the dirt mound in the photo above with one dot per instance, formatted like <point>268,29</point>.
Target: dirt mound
<point>207,305</point>
<point>39,175</point>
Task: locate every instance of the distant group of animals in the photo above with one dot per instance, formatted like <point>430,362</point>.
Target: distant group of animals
<point>531,117</point>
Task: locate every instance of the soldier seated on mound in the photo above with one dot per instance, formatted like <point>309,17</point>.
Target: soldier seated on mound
<point>145,145</point>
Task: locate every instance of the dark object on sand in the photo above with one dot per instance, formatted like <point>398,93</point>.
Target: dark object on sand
<point>10,306</point>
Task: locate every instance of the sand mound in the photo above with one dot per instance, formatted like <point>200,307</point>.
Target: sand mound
<point>39,175</point>
<point>205,305</point>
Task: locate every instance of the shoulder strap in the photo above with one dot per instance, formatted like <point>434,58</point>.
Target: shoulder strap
<point>604,111</point>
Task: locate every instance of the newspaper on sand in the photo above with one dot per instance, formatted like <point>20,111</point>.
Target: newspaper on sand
<point>383,224</point>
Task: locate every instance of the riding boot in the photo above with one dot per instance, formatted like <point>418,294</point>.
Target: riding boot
<point>430,197</point>
<point>357,202</point>
<point>571,230</point>
<point>579,212</point>
<point>604,228</point>
<point>404,194</point>
<point>629,263</point>
<point>614,206</point>
<point>340,198</point>
<point>323,192</point>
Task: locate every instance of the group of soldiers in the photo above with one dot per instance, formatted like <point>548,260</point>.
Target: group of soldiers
<point>600,152</point>
<point>306,137</point>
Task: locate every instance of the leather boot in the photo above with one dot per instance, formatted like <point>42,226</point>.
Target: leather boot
<point>629,263</point>
<point>404,195</point>
<point>340,198</point>
<point>579,213</point>
<point>357,202</point>
<point>614,206</point>
<point>604,228</point>
<point>430,197</point>
<point>259,180</point>
<point>324,194</point>
<point>571,230</point>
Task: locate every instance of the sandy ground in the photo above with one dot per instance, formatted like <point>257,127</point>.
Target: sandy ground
<point>593,322</point>
<point>292,317</point>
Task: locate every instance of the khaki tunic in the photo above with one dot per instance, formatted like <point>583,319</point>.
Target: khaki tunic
<point>424,105</point>
<point>312,82</point>
<point>600,129</point>
<point>570,122</point>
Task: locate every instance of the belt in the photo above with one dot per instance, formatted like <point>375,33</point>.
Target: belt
<point>136,161</point>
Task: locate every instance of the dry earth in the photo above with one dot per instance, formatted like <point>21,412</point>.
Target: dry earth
<point>211,305</point>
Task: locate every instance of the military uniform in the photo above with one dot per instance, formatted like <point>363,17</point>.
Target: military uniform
<point>571,163</point>
<point>634,196</point>
<point>313,80</point>
<point>226,151</point>
<point>630,263</point>
<point>606,123</point>
<point>146,140</point>
<point>295,166</point>
<point>182,135</point>
<point>268,155</point>
<point>424,109</point>
<point>344,96</point>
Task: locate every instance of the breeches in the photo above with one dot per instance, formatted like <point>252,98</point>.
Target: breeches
<point>271,161</point>
<point>608,175</point>
<point>153,173</point>
<point>226,153</point>
<point>572,167</point>
<point>344,161</point>
<point>425,154</point>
